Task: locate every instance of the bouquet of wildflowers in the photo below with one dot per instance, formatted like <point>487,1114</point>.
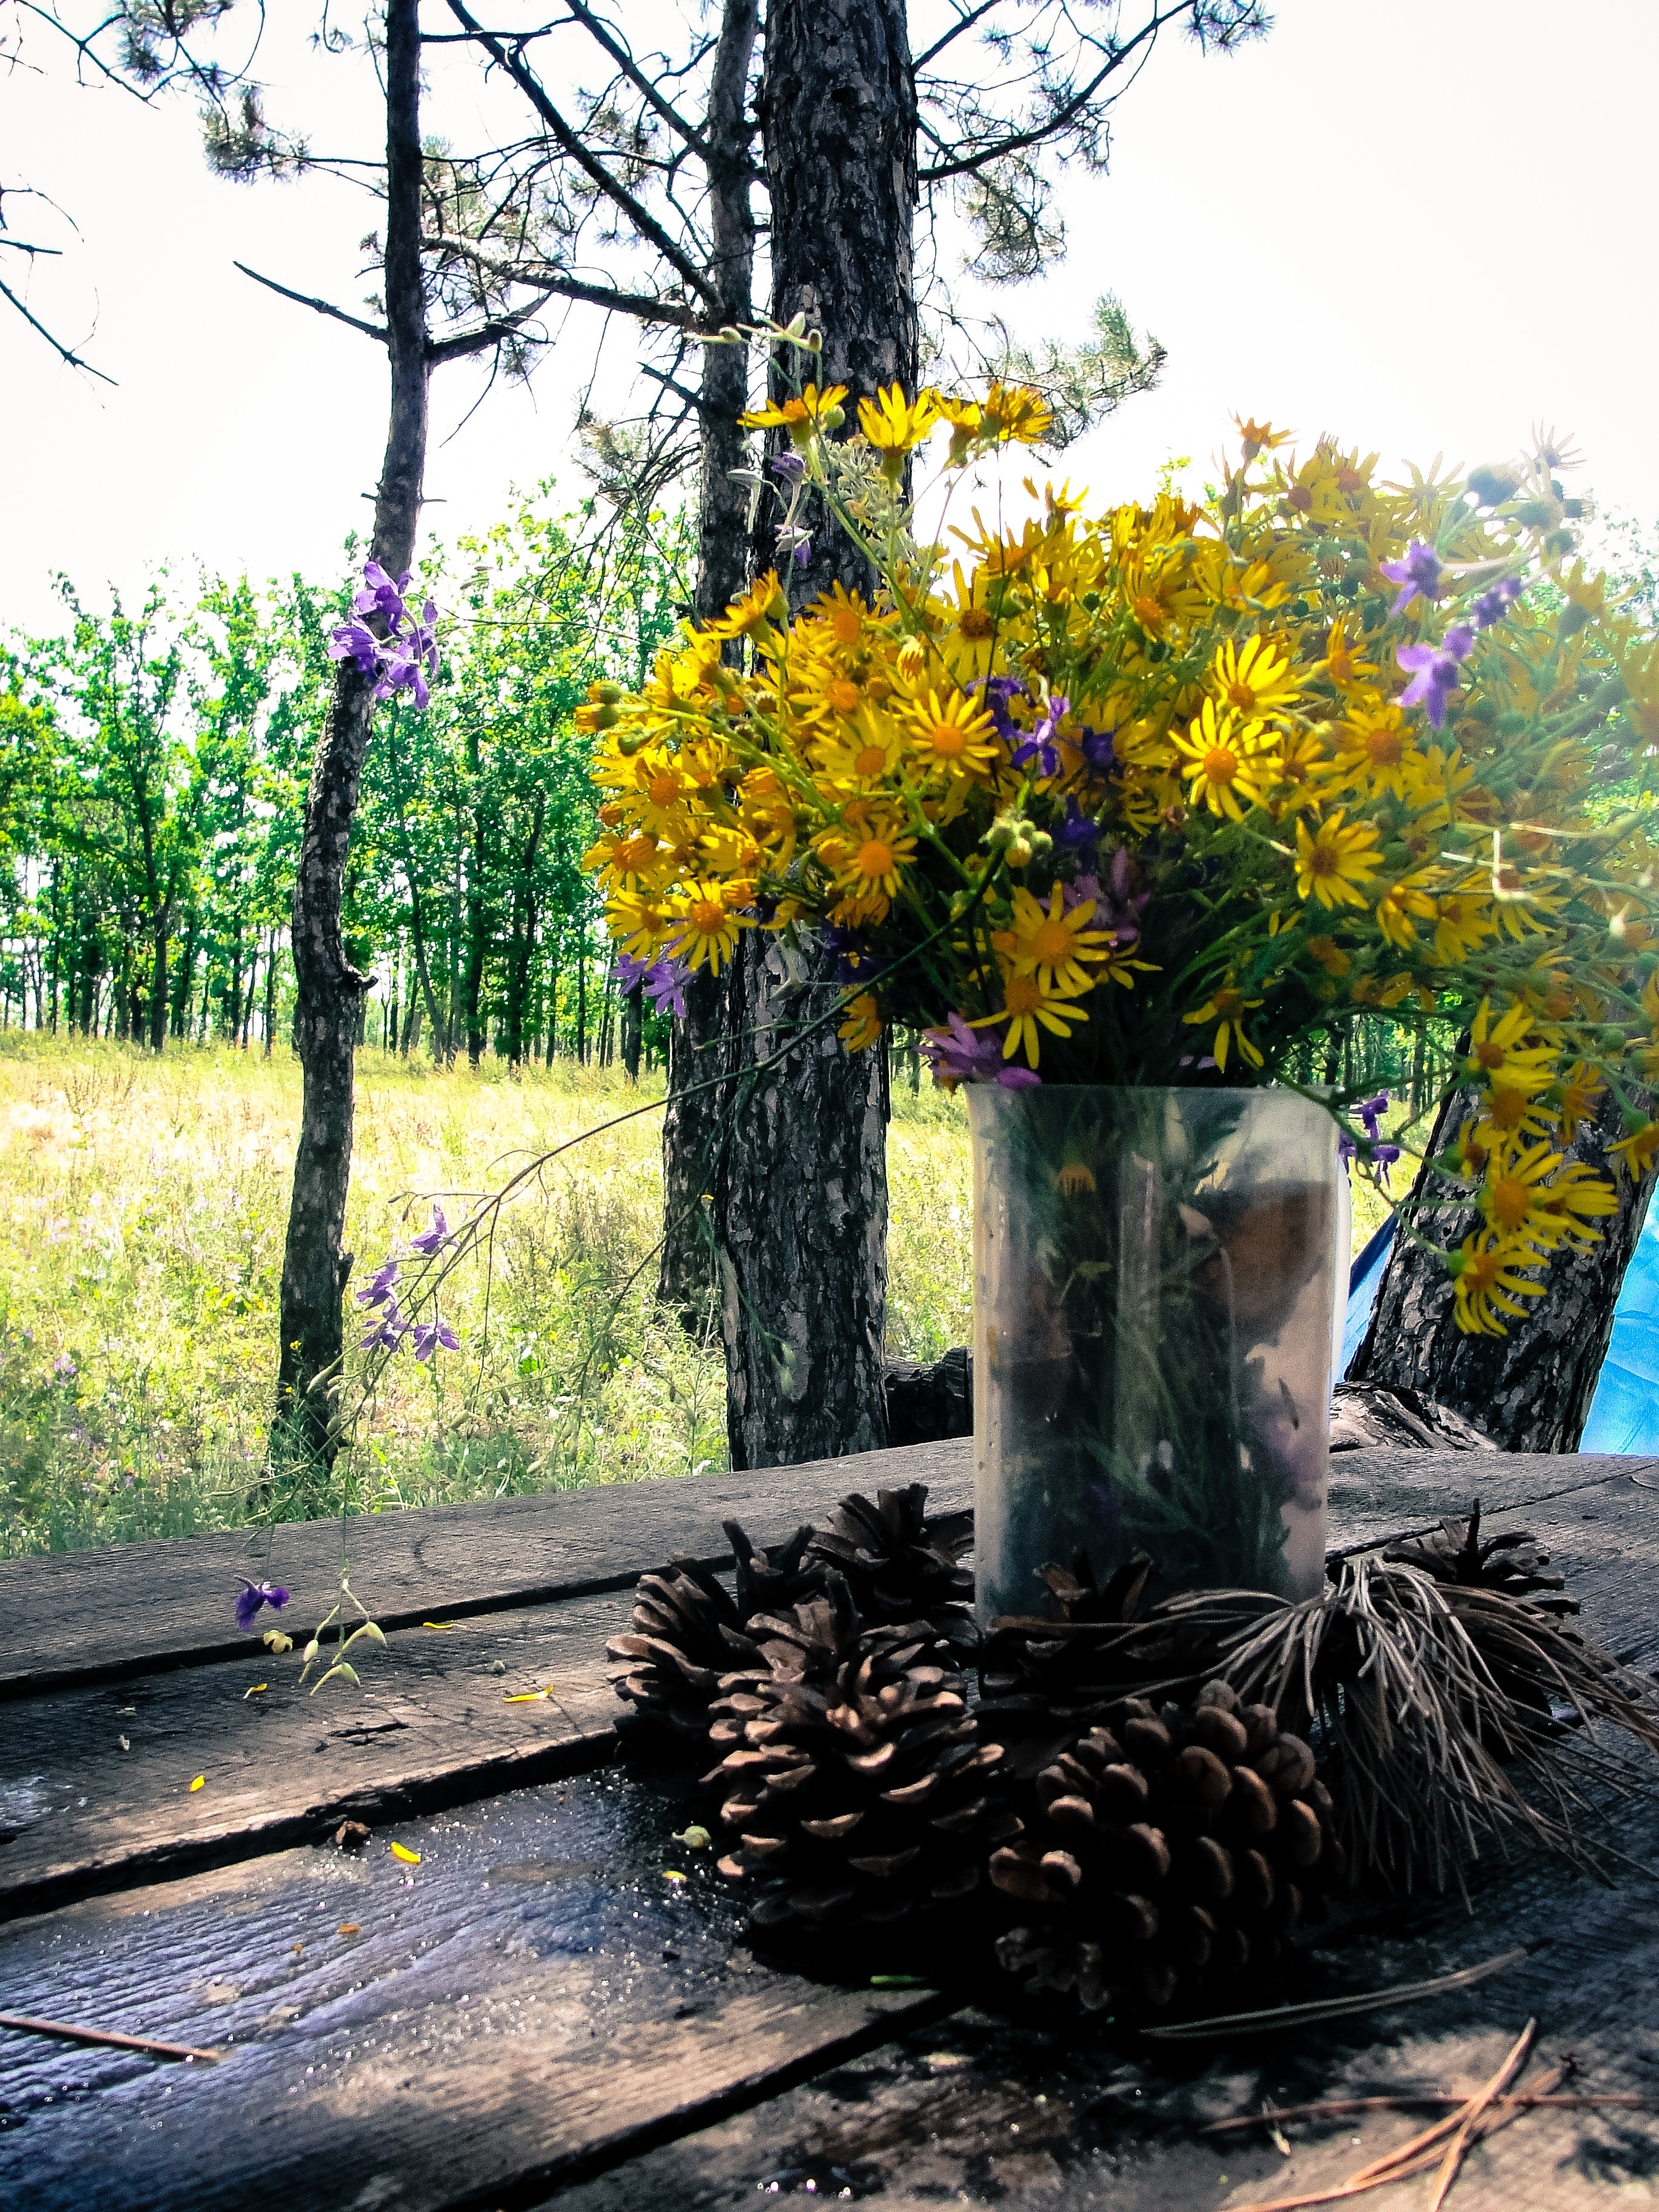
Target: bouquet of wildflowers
<point>1157,796</point>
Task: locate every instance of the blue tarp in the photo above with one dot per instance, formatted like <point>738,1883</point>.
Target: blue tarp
<point>1624,1415</point>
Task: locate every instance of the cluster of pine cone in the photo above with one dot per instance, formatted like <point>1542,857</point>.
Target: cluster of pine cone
<point>1131,1853</point>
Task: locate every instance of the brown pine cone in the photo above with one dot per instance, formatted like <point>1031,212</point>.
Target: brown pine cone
<point>688,1632</point>
<point>1169,1853</point>
<point>856,1784</point>
<point>899,1565</point>
<point>1512,1564</point>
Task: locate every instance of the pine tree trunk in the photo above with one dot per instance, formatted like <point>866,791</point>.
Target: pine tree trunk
<point>1530,1391</point>
<point>801,1204</point>
<point>697,1048</point>
<point>315,1269</point>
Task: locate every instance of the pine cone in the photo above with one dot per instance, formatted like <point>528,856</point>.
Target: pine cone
<point>899,1565</point>
<point>855,1786</point>
<point>1171,1852</point>
<point>1512,1565</point>
<point>688,1633</point>
<point>1044,1681</point>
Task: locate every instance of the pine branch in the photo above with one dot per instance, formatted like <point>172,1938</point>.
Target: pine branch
<point>641,216</point>
<point>636,77</point>
<point>71,360</point>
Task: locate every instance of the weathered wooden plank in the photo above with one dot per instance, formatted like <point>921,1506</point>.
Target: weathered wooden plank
<point>86,1810</point>
<point>535,1998</point>
<point>106,1615</point>
<point>1374,1494</point>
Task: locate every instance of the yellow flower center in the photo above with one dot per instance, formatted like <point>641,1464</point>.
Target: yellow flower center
<point>706,917</point>
<point>1074,1179</point>
<point>1022,995</point>
<point>1482,1272</point>
<point>1242,697</point>
<point>1325,860</point>
<point>871,761</point>
<point>875,859</point>
<point>1384,748</point>
<point>1508,1108</point>
<point>1509,1201</point>
<point>663,789</point>
<point>974,622</point>
<point>1147,612</point>
<point>842,696</point>
<point>845,623</point>
<point>1489,1055</point>
<point>1052,944</point>
<point>947,740</point>
<point>1220,766</point>
<point>636,852</point>
<point>1228,1005</point>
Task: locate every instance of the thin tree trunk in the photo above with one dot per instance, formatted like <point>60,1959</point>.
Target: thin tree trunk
<point>633,1030</point>
<point>330,989</point>
<point>698,1047</point>
<point>802,1206</point>
<point>158,985</point>
<point>1529,1390</point>
<point>270,991</point>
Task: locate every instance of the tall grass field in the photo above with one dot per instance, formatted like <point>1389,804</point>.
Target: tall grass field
<point>146,1201</point>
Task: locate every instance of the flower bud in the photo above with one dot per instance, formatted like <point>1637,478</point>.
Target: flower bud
<point>632,741</point>
<point>1042,844</point>
<point>607,718</point>
<point>1494,484</point>
<point>1018,855</point>
<point>1559,543</point>
<point>833,417</point>
<point>608,695</point>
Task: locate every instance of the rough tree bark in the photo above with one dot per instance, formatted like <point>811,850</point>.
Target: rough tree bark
<point>802,1197</point>
<point>330,989</point>
<point>697,1046</point>
<point>1529,1391</point>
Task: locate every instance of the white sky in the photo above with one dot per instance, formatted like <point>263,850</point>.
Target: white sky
<point>1421,224</point>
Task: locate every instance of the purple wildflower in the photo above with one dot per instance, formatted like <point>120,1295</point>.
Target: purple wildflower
<point>1435,684</point>
<point>388,1333</point>
<point>787,465</point>
<point>1369,1112</point>
<point>431,1240</point>
<point>378,1292</point>
<point>1099,747</point>
<point>1078,834</point>
<point>1118,907</point>
<point>429,1334</point>
<point>1040,746</point>
<point>960,1054</point>
<point>1418,572</point>
<point>251,1597</point>
<point>665,982</point>
<point>63,1368</point>
<point>352,643</point>
<point>1492,606</point>
<point>998,690</point>
<point>380,596</point>
<point>803,552</point>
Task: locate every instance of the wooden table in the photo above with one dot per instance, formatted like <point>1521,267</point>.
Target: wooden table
<point>536,2009</point>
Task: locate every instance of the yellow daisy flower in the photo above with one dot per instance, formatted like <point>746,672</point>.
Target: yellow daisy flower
<point>1335,865</point>
<point>954,736</point>
<point>1498,1050</point>
<point>1375,754</point>
<point>1581,1090</point>
<point>703,929</point>
<point>1253,679</point>
<point>1226,760</point>
<point>1028,1008</point>
<point>895,425</point>
<point>1461,923</point>
<point>1511,1196</point>
<point>761,606</point>
<point>1638,1152</point>
<point>1227,1007</point>
<point>1577,1197</point>
<point>1485,1284</point>
<point>813,410</point>
<point>863,1026</point>
<point>1053,946</point>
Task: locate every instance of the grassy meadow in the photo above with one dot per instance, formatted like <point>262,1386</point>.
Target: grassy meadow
<point>146,1199</point>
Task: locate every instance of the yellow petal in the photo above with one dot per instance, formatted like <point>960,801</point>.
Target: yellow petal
<point>255,1690</point>
<point>673,1873</point>
<point>523,1697</point>
<point>402,1851</point>
<point>200,1782</point>
<point>444,1625</point>
<point>275,1642</point>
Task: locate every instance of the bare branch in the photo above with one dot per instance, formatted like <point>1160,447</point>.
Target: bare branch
<point>1063,117</point>
<point>641,218</point>
<point>963,23</point>
<point>71,360</point>
<point>375,331</point>
<point>489,334</point>
<point>637,78</point>
<point>644,307</point>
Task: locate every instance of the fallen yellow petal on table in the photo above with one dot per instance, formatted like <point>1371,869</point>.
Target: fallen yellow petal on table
<point>276,1642</point>
<point>350,1927</point>
<point>402,1851</point>
<point>200,1782</point>
<point>255,1690</point>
